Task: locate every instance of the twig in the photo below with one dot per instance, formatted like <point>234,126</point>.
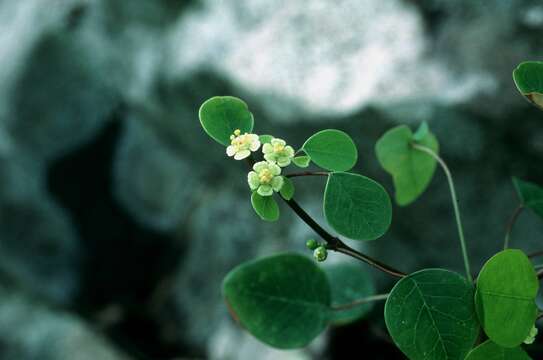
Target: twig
<point>535,254</point>
<point>333,242</point>
<point>455,204</point>
<point>510,224</point>
<point>359,302</point>
<point>308,173</point>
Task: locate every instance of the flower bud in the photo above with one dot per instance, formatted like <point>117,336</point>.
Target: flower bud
<point>312,244</point>
<point>320,253</point>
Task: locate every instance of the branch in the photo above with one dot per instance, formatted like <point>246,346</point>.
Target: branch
<point>333,242</point>
<point>535,254</point>
<point>308,173</point>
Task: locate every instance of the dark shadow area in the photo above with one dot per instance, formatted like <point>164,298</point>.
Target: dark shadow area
<point>124,261</point>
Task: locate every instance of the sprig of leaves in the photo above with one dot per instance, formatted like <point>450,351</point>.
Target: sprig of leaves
<point>287,300</point>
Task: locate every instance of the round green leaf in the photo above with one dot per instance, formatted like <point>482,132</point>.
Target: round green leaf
<point>490,351</point>
<point>505,298</point>
<point>430,315</point>
<point>301,161</point>
<point>265,206</point>
<point>528,77</point>
<point>348,283</point>
<point>411,169</point>
<point>287,191</point>
<point>283,300</point>
<point>332,150</point>
<point>220,116</point>
<point>356,206</point>
<point>530,195</point>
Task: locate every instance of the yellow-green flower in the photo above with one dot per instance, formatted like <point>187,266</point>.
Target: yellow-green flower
<point>277,151</point>
<point>265,179</point>
<point>241,145</point>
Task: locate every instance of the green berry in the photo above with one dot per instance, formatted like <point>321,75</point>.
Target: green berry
<point>320,253</point>
<point>312,244</point>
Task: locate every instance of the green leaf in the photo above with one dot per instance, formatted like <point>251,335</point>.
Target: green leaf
<point>283,300</point>
<point>301,161</point>
<point>332,150</point>
<point>430,315</point>
<point>287,191</point>
<point>421,132</point>
<point>348,283</point>
<point>356,206</point>
<point>530,195</point>
<point>490,351</point>
<point>265,139</point>
<point>528,77</point>
<point>505,297</point>
<point>265,206</point>
<point>220,116</point>
<point>411,169</point>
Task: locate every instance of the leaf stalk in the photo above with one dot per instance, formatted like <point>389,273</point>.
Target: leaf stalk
<point>455,204</point>
<point>361,301</point>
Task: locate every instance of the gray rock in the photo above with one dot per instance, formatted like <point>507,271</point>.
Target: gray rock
<point>60,92</point>
<point>32,331</point>
<point>40,248</point>
<point>153,182</point>
<point>65,74</point>
<point>320,59</point>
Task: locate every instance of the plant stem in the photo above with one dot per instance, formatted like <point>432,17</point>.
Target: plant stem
<point>333,242</point>
<point>535,254</point>
<point>359,302</point>
<point>308,173</point>
<point>510,225</point>
<point>455,204</point>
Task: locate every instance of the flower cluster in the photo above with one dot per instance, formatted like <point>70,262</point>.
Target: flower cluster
<point>278,152</point>
<point>266,175</point>
<point>242,145</point>
<point>265,178</point>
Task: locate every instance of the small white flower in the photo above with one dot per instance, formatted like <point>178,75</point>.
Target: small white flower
<point>265,179</point>
<point>242,145</point>
<point>277,151</point>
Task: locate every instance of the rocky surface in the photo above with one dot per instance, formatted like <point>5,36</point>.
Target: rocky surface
<point>32,330</point>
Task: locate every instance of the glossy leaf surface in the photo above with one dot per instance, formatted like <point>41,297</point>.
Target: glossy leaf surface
<point>356,206</point>
<point>283,300</point>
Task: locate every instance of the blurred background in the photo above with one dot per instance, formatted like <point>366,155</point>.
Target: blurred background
<point>119,217</point>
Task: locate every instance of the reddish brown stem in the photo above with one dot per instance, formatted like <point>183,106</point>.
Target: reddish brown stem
<point>307,173</point>
<point>333,242</point>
